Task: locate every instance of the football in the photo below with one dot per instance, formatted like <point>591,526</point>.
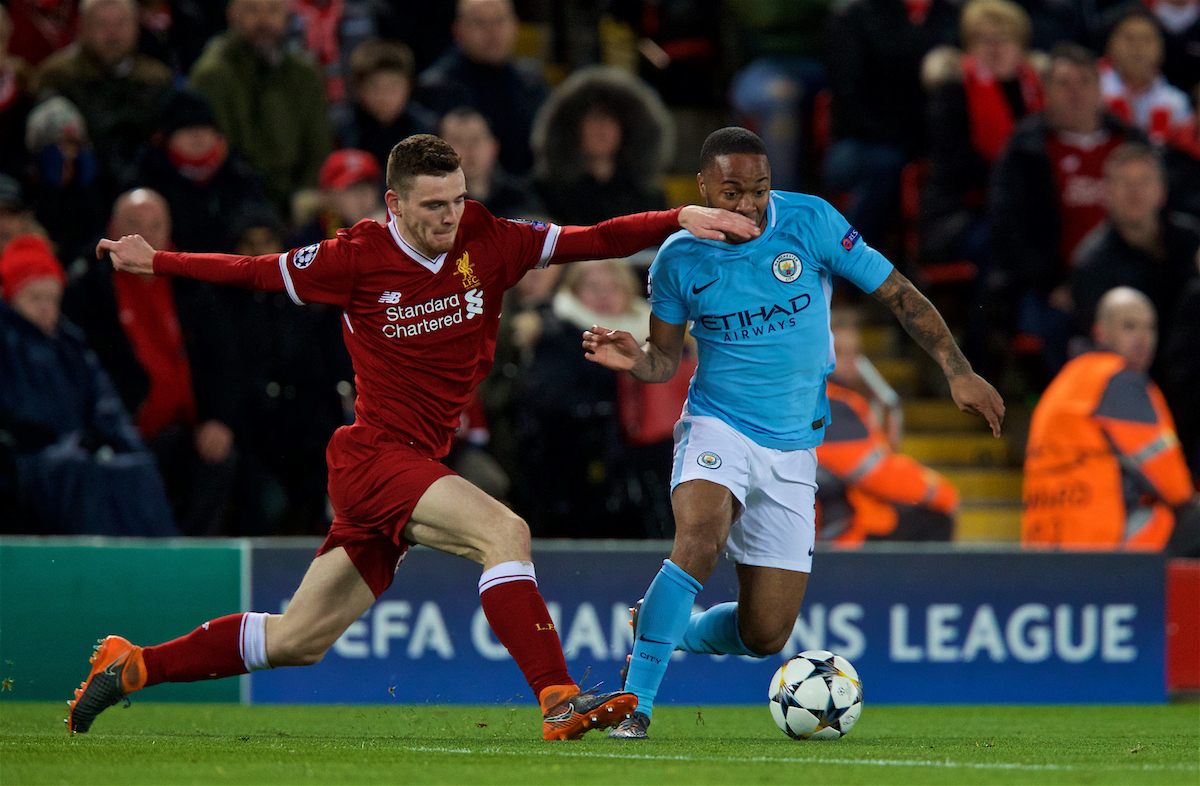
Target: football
<point>816,696</point>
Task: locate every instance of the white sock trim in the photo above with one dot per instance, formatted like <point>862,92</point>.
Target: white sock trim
<point>505,572</point>
<point>252,643</point>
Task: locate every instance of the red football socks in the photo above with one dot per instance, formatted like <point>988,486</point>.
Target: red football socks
<point>211,651</point>
<point>517,613</point>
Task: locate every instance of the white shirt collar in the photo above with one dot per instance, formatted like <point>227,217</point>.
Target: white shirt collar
<point>432,265</point>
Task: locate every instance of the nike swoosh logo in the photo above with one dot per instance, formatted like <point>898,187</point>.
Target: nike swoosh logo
<point>811,549</point>
<point>697,290</point>
<point>649,640</point>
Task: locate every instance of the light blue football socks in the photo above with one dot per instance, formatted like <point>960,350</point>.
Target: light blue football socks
<point>715,632</point>
<point>664,618</point>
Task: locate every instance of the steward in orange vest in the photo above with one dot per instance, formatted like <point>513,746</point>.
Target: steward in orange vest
<point>1103,466</point>
<point>867,492</point>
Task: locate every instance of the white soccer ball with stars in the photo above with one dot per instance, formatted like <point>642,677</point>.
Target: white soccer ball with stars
<point>816,696</point>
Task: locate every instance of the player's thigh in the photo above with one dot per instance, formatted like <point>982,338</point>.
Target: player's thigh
<point>704,511</point>
<point>769,601</point>
<point>456,517</point>
<point>330,598</point>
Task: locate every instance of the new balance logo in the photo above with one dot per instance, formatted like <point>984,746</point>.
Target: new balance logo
<point>474,299</point>
<point>390,297</point>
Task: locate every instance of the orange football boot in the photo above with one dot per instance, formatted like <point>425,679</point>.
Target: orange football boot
<point>117,671</point>
<point>567,713</point>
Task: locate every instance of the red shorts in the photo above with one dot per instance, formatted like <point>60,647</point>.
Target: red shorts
<point>374,485</point>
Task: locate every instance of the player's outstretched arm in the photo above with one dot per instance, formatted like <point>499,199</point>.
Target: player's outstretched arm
<point>655,361</point>
<point>971,392</point>
<point>131,253</point>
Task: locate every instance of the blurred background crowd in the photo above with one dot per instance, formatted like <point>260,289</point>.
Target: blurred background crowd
<point>1018,160</point>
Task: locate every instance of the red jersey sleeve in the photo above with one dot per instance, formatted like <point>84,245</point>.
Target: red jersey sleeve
<point>321,273</point>
<point>522,245</point>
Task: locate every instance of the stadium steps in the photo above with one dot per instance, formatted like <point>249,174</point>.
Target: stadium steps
<point>979,450</point>
<point>984,523</point>
<point>986,471</point>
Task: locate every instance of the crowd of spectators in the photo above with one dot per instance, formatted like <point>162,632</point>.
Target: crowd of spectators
<point>1028,156</point>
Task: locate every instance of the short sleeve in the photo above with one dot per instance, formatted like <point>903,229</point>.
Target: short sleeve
<point>522,245</point>
<point>666,298</point>
<point>321,273</point>
<point>846,253</point>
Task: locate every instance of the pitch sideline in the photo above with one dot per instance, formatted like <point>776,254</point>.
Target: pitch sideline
<point>947,764</point>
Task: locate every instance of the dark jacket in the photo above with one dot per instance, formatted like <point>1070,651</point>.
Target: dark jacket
<point>366,133</point>
<point>513,197</point>
<point>201,214</point>
<point>211,346</point>
<point>955,191</point>
<point>505,95</point>
<point>1107,261</point>
<point>874,55</point>
<point>1023,206</point>
<point>275,114</point>
<point>571,194</point>
<point>1181,57</point>
<point>80,467</point>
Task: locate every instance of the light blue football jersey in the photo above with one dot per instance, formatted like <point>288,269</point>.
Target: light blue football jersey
<point>760,315</point>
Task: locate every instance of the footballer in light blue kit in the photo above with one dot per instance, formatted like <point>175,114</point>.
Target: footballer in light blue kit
<point>744,474</point>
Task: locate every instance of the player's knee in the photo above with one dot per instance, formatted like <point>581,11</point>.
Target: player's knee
<point>764,643</point>
<point>509,539</point>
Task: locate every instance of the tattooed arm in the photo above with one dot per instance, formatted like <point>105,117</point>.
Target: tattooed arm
<point>923,322</point>
<point>655,361</point>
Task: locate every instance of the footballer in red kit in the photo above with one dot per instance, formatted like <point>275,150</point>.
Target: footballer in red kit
<point>420,299</point>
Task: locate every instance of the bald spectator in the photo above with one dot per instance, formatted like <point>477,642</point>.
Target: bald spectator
<point>468,132</point>
<point>118,90</point>
<point>1135,89</point>
<point>1140,246</point>
<point>1047,194</point>
<point>867,491</point>
<point>1103,466</point>
<point>77,465</point>
<point>170,350</point>
<point>269,103</point>
<point>479,72</point>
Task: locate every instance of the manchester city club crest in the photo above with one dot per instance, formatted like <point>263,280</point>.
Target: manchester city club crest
<point>305,256</point>
<point>708,460</point>
<point>787,267</point>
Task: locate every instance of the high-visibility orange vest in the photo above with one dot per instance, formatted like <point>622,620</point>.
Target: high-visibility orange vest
<point>857,452</point>
<point>1103,466</point>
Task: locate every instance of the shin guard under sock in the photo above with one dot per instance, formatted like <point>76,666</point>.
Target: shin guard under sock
<point>661,624</point>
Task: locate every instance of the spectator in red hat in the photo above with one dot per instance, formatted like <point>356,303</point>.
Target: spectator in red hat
<point>350,183</point>
<point>62,425</point>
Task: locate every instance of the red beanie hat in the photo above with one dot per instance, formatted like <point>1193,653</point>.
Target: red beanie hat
<point>26,258</point>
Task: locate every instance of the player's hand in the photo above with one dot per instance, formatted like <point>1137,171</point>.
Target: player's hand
<point>131,253</point>
<point>973,394</point>
<point>613,349</point>
<point>710,223</point>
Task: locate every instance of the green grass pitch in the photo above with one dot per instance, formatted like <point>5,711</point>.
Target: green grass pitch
<point>419,744</point>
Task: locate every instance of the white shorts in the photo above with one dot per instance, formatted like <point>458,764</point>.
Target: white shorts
<point>777,489</point>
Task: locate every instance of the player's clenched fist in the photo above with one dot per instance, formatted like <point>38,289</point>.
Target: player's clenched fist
<point>131,253</point>
<point>613,349</point>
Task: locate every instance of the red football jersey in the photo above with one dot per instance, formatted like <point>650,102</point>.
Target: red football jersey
<point>421,332</point>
